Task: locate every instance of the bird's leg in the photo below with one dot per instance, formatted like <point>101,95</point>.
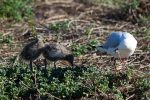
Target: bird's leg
<point>31,65</point>
<point>55,64</point>
<point>113,60</point>
<point>45,63</point>
<point>117,51</point>
<point>123,62</point>
<point>45,71</point>
<point>119,56</point>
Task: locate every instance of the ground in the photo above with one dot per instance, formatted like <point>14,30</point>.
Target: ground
<point>80,27</point>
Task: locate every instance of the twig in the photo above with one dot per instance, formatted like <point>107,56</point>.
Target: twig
<point>85,21</point>
<point>44,26</point>
<point>130,96</point>
<point>54,96</point>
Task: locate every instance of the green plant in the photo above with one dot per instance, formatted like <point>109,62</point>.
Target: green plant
<point>17,82</point>
<point>134,4</point>
<point>132,8</point>
<point>118,95</point>
<point>143,84</point>
<point>79,49</point>
<point>6,39</point>
<point>59,26</point>
<point>14,9</point>
<point>143,19</point>
<point>93,43</point>
<point>145,30</point>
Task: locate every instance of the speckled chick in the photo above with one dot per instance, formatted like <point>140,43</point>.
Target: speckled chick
<point>55,52</point>
<point>32,50</point>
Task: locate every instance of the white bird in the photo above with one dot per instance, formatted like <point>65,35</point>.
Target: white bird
<point>119,44</point>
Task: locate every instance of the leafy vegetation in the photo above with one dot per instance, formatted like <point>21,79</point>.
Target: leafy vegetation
<point>138,10</point>
<point>19,83</point>
<point>80,49</point>
<point>15,9</point>
<point>59,26</point>
<point>6,39</point>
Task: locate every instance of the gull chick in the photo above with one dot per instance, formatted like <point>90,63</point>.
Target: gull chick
<point>55,52</point>
<point>119,44</point>
<point>32,50</point>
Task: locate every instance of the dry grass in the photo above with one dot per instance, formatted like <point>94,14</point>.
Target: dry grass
<point>84,24</point>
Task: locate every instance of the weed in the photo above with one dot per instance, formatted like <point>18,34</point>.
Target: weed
<point>93,43</point>
<point>15,10</point>
<point>79,49</point>
<point>118,95</point>
<point>134,4</point>
<point>143,84</point>
<point>64,83</point>
<point>6,39</point>
<point>32,24</point>
<point>143,19</point>
<point>60,26</point>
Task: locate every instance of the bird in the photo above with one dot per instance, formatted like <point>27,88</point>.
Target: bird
<point>56,51</point>
<point>32,50</point>
<point>119,45</point>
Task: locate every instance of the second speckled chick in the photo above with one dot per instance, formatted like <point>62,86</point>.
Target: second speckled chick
<point>55,52</point>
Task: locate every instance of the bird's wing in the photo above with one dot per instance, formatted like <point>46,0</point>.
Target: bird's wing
<point>113,40</point>
<point>54,51</point>
<point>56,54</point>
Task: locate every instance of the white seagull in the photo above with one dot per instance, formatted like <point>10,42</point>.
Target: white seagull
<point>119,44</point>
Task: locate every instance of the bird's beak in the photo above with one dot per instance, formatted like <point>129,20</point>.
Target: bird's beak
<point>71,63</point>
<point>116,50</point>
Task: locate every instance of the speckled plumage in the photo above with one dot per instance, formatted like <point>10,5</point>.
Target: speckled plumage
<point>55,52</point>
<point>32,50</point>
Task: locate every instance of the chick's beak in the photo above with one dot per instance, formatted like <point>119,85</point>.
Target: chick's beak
<point>71,63</point>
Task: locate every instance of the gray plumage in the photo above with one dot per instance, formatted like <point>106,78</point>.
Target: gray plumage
<point>113,40</point>
<point>55,52</point>
<point>32,50</point>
